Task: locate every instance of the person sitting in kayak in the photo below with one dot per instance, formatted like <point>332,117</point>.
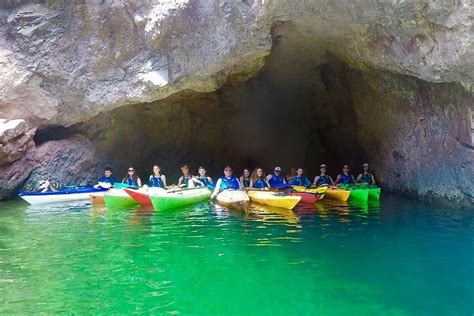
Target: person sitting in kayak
<point>131,178</point>
<point>205,180</point>
<point>157,180</point>
<point>323,178</point>
<point>365,177</point>
<point>184,179</point>
<point>245,178</point>
<point>227,182</point>
<point>275,179</point>
<point>107,178</point>
<point>300,179</point>
<point>258,180</point>
<point>345,177</point>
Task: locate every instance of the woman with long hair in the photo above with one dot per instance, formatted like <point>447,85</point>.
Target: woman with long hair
<point>157,179</point>
<point>245,178</point>
<point>258,180</point>
<point>131,178</point>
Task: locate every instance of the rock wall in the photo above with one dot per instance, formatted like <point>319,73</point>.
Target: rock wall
<point>68,64</point>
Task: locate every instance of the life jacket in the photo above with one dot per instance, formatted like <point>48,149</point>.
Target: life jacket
<point>185,181</point>
<point>205,181</point>
<point>276,181</point>
<point>260,184</point>
<point>300,181</point>
<point>156,182</point>
<point>246,182</point>
<point>366,178</point>
<point>345,178</point>
<point>130,181</point>
<point>322,180</point>
<point>110,180</point>
<point>229,183</point>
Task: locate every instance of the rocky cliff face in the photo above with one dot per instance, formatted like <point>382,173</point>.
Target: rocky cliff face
<point>212,81</point>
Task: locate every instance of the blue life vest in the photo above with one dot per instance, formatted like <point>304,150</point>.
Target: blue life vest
<point>229,183</point>
<point>185,180</point>
<point>322,180</point>
<point>156,182</point>
<point>366,178</point>
<point>276,181</point>
<point>206,182</point>
<point>110,180</point>
<point>260,184</point>
<point>130,181</point>
<point>246,183</point>
<point>300,181</point>
<point>345,179</point>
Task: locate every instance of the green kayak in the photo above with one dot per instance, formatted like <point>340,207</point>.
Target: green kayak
<point>118,198</point>
<point>374,192</point>
<point>357,193</point>
<point>172,199</point>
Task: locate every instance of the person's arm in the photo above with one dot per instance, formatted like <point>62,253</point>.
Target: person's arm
<point>267,185</point>
<point>210,180</point>
<point>269,176</point>
<point>359,177</point>
<point>163,179</point>
<point>241,185</point>
<point>353,180</point>
<point>308,182</point>
<point>139,182</point>
<point>373,179</point>
<point>315,180</point>
<point>241,181</point>
<point>332,181</point>
<point>251,184</point>
<point>337,179</point>
<point>180,180</point>
<point>216,189</point>
<point>124,180</point>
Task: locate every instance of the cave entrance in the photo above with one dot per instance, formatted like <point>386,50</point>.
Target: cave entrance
<point>284,116</point>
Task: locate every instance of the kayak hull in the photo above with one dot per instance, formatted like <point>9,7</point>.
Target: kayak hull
<point>141,198</point>
<point>374,193</point>
<point>276,199</point>
<point>359,194</point>
<point>308,198</point>
<point>63,196</point>
<point>118,198</point>
<point>337,194</point>
<point>97,199</point>
<point>174,199</point>
<point>234,199</point>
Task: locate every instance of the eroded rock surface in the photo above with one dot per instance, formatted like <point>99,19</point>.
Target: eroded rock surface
<point>63,63</point>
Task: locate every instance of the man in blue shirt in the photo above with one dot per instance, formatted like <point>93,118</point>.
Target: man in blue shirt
<point>107,178</point>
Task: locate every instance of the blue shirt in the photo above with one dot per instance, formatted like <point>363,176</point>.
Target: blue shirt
<point>110,180</point>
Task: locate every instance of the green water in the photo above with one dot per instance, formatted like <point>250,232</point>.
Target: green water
<point>397,258</point>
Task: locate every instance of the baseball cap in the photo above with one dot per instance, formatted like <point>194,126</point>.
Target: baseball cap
<point>277,169</point>
<point>365,165</point>
<point>323,166</point>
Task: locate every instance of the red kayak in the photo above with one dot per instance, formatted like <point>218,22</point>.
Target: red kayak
<point>306,197</point>
<point>140,197</point>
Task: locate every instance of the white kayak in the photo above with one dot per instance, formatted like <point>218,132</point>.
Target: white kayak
<point>63,196</point>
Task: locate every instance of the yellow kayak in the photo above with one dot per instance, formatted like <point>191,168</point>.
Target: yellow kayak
<point>277,199</point>
<point>337,194</point>
<point>318,190</point>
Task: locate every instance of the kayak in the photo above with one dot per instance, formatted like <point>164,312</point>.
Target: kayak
<point>270,213</point>
<point>271,198</point>
<point>337,194</point>
<point>374,193</point>
<point>97,198</point>
<point>62,196</point>
<point>118,198</point>
<point>357,192</point>
<point>234,199</point>
<point>142,196</point>
<point>309,195</point>
<point>171,199</point>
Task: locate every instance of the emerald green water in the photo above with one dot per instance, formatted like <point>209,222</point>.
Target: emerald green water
<point>397,258</point>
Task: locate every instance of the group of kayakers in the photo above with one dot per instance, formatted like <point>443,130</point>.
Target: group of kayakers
<point>256,179</point>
